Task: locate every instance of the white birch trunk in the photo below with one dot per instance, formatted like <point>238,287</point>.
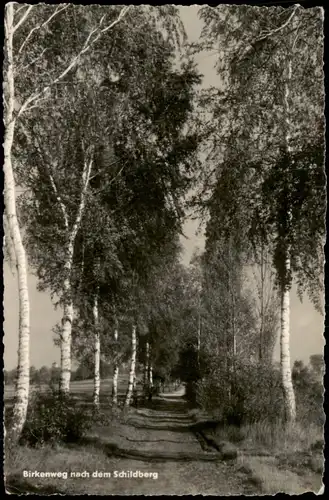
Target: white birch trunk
<point>66,337</point>
<point>67,321</point>
<point>97,353</point>
<point>289,395</point>
<point>23,365</point>
<point>261,332</point>
<point>22,384</point>
<point>199,330</point>
<point>9,250</point>
<point>150,376</point>
<point>146,368</point>
<point>115,385</point>
<point>288,390</point>
<point>132,366</point>
<point>116,368</point>
<point>199,333</point>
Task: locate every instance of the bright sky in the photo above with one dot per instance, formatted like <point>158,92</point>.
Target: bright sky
<point>307,326</point>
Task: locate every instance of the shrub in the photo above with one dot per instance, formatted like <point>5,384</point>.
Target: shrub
<point>254,393</point>
<point>53,417</point>
<point>309,394</point>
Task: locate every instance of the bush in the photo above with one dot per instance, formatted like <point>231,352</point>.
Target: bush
<point>309,394</point>
<point>254,394</point>
<point>53,417</point>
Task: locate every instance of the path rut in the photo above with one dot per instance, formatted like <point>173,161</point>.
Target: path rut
<point>159,439</point>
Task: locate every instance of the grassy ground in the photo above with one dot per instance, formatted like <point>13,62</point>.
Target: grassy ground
<point>157,440</point>
<point>276,458</point>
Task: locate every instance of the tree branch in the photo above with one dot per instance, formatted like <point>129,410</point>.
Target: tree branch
<point>37,103</point>
<point>57,11</point>
<point>270,33</point>
<point>51,178</point>
<point>103,170</point>
<point>263,36</point>
<point>19,9</point>
<point>58,198</point>
<point>23,18</point>
<point>87,45</point>
<point>85,181</point>
<point>111,181</point>
<point>34,60</point>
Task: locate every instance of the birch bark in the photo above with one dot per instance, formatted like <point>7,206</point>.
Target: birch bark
<point>132,366</point>
<point>116,367</point>
<point>23,365</point>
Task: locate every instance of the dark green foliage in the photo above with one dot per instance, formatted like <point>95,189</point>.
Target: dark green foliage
<point>85,370</point>
<point>309,391</point>
<point>279,197</point>
<point>255,395</point>
<point>296,185</point>
<point>191,364</point>
<point>143,154</point>
<point>10,376</point>
<point>53,418</point>
<point>136,133</point>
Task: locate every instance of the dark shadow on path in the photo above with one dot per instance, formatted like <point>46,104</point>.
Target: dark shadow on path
<point>113,450</point>
<point>155,427</point>
<point>163,415</point>
<point>163,456</point>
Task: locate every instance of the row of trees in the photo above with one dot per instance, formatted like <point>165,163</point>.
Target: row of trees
<point>265,188</point>
<point>104,126</point>
<point>103,166</point>
<point>43,375</point>
<point>46,375</point>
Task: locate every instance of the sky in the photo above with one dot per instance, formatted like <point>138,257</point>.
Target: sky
<point>307,325</point>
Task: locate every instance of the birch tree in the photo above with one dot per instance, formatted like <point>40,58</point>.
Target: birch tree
<point>266,304</point>
<point>97,353</point>
<point>116,365</point>
<point>21,94</point>
<point>266,63</point>
<point>51,166</point>
<point>132,369</point>
<point>14,233</point>
<point>127,97</point>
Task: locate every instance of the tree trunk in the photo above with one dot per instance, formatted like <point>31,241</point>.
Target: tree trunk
<point>150,377</point>
<point>199,331</point>
<point>66,340</point>
<point>146,368</point>
<point>150,381</point>
<point>288,390</point>
<point>23,366</point>
<point>132,366</point>
<point>9,250</point>
<point>261,332</point>
<point>97,353</point>
<point>116,368</point>
<point>68,313</point>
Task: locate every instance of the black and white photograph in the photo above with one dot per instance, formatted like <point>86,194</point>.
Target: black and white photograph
<point>163,252</point>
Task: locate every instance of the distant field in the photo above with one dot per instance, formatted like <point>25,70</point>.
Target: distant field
<point>81,387</point>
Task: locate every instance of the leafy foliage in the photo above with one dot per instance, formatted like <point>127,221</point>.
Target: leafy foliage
<point>247,154</point>
<point>309,391</point>
<point>256,394</point>
<point>53,417</point>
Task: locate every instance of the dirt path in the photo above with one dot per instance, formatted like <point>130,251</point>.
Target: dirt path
<point>155,452</point>
<point>158,440</point>
<point>166,427</point>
